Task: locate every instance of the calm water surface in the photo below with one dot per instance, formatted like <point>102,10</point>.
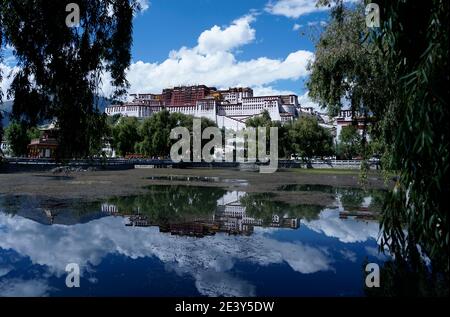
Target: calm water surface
<point>189,241</point>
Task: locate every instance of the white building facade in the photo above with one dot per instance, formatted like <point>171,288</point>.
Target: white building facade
<point>227,108</point>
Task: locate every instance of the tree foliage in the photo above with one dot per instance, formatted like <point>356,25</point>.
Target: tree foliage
<point>308,139</point>
<point>414,40</point>
<point>262,120</point>
<point>150,137</point>
<point>303,137</point>
<point>347,71</point>
<point>349,142</point>
<point>125,135</point>
<point>60,67</point>
<point>264,206</point>
<point>18,137</point>
<point>155,132</point>
<point>265,121</point>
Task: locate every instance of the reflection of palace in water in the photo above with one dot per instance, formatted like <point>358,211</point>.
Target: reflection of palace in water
<point>229,217</point>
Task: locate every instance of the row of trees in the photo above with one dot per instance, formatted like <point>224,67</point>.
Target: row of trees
<point>304,137</point>
<point>151,137</point>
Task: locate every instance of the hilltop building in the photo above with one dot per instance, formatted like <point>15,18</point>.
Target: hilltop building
<point>227,108</point>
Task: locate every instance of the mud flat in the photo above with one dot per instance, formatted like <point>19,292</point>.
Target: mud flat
<point>95,185</point>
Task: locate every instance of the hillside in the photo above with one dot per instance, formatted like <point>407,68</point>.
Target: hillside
<point>6,108</point>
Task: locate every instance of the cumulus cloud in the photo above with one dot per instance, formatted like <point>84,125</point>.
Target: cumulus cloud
<point>293,8</point>
<point>270,91</point>
<point>217,39</point>
<point>296,27</point>
<point>8,73</point>
<point>213,62</point>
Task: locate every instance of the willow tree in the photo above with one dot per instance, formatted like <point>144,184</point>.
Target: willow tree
<point>399,73</point>
<point>414,41</point>
<point>347,69</point>
<point>61,64</point>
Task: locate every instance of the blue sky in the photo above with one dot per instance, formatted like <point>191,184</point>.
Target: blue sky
<point>169,25</point>
<point>263,44</point>
<point>167,22</point>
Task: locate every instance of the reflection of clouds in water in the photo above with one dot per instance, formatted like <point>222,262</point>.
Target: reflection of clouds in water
<point>213,284</point>
<point>347,231</point>
<point>348,255</point>
<point>4,270</point>
<point>375,252</point>
<point>24,288</point>
<point>86,244</point>
<point>93,280</point>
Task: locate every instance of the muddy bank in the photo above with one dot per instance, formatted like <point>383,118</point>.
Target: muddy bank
<point>97,185</point>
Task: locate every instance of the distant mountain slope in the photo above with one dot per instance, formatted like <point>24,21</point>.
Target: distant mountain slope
<point>6,108</point>
<point>102,103</point>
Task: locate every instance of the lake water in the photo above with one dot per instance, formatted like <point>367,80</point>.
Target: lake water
<point>189,241</point>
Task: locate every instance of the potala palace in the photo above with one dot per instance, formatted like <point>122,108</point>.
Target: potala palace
<point>227,108</point>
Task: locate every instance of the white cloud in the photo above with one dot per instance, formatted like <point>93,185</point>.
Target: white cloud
<point>296,8</point>
<point>317,23</point>
<point>296,27</point>
<point>213,62</point>
<point>8,73</point>
<point>293,8</point>
<point>305,101</point>
<point>349,231</point>
<point>375,252</point>
<point>269,91</point>
<point>211,283</point>
<point>217,39</point>
<point>145,4</point>
<point>348,255</point>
